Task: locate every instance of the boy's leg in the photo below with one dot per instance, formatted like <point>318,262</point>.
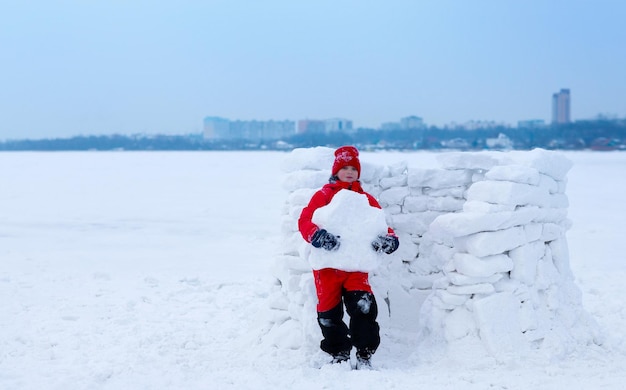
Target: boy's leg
<point>335,332</point>
<point>362,307</point>
<point>328,283</point>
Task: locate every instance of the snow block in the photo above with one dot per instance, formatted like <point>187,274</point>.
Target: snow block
<point>548,183</point>
<point>549,163</point>
<point>404,307</point>
<point>414,204</point>
<point>417,223</point>
<point>445,203</point>
<point>458,324</point>
<point>479,206</point>
<point>393,196</point>
<point>370,173</point>
<point>300,197</point>
<point>467,223</point>
<point>515,173</point>
<point>469,265</point>
<point>394,181</point>
<point>458,279</point>
<point>305,179</point>
<point>317,159</point>
<point>482,288</point>
<point>525,260</point>
<point>454,192</point>
<point>551,232</point>
<point>560,257</point>
<point>508,193</point>
<point>498,320</point>
<point>492,243</point>
<point>437,178</point>
<point>350,217</point>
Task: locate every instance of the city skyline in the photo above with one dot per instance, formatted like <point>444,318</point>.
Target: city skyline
<point>216,127</point>
<point>74,68</point>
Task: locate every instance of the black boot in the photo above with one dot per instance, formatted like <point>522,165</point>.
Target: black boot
<point>341,357</point>
<point>363,359</point>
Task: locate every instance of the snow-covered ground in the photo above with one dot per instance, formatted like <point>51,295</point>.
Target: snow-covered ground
<point>152,271</point>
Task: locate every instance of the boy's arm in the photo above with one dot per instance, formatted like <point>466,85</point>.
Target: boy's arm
<point>305,225</point>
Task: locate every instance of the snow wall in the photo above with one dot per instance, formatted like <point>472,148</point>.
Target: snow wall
<point>483,264</point>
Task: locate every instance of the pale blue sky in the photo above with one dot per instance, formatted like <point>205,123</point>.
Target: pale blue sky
<point>124,66</point>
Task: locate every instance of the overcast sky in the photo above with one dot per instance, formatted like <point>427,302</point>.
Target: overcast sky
<point>123,66</point>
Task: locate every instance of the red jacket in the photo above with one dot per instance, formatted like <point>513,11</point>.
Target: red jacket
<point>322,198</point>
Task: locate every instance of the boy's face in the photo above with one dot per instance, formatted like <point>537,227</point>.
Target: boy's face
<point>348,174</point>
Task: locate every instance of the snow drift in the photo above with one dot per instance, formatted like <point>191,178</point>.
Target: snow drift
<point>483,265</point>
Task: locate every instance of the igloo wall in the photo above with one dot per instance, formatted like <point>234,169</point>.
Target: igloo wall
<point>483,259</point>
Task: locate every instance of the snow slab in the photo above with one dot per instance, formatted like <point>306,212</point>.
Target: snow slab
<point>350,217</point>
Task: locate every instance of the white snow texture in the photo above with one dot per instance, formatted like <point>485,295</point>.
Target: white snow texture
<point>483,260</point>
<point>181,270</point>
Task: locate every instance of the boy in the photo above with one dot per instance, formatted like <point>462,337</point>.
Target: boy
<point>335,285</point>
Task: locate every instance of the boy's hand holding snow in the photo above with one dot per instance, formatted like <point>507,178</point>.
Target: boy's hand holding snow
<point>387,244</point>
<point>323,239</point>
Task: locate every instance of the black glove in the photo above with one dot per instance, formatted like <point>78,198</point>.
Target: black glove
<point>323,239</point>
<point>387,244</point>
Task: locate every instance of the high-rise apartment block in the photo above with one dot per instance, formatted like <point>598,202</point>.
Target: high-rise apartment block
<point>308,126</point>
<point>412,122</point>
<point>338,124</point>
<point>561,107</point>
<point>221,128</point>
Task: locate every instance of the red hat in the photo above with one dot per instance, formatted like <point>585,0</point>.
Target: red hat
<point>346,156</point>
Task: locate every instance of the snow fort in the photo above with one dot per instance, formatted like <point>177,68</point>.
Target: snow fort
<point>483,264</point>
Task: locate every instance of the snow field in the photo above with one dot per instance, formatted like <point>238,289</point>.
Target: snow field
<point>152,271</point>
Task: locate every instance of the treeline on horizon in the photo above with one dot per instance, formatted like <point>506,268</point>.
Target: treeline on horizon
<point>579,135</point>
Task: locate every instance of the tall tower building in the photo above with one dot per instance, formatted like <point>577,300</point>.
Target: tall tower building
<point>561,107</point>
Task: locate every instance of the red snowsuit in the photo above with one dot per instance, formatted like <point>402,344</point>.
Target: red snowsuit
<point>333,285</point>
<point>329,282</point>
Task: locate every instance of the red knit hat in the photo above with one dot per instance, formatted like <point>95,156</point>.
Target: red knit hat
<point>345,156</point>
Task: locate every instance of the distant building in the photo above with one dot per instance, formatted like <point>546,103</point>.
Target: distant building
<point>390,126</point>
<point>531,124</point>
<point>220,128</point>
<point>279,129</point>
<point>337,124</point>
<point>561,107</point>
<point>324,125</point>
<point>409,122</point>
<point>475,125</point>
<point>309,126</point>
<point>412,122</point>
<point>216,127</point>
